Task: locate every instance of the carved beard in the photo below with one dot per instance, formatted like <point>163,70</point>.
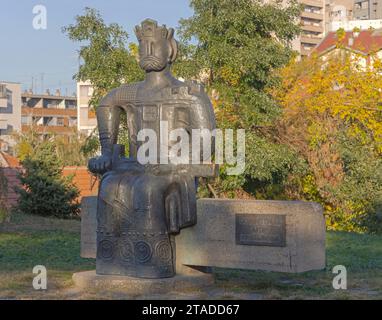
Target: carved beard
<point>151,63</point>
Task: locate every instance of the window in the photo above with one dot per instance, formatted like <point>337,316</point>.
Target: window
<point>70,105</point>
<point>60,121</point>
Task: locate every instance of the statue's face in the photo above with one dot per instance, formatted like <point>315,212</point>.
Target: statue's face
<point>154,54</point>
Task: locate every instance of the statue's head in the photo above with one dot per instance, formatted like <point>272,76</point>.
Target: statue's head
<point>157,46</point>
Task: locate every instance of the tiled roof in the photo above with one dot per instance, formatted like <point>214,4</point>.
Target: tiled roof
<point>10,161</point>
<point>366,41</point>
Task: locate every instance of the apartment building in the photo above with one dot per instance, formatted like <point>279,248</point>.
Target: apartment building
<point>355,24</point>
<point>87,121</point>
<point>312,25</point>
<point>49,113</point>
<point>10,113</point>
<point>367,9</point>
<point>337,12</point>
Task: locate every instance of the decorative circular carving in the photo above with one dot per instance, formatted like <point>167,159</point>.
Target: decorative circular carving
<point>163,250</point>
<point>126,251</point>
<point>106,249</point>
<point>143,251</point>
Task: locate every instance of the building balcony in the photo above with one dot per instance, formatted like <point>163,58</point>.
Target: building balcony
<point>313,3</point>
<point>312,15</point>
<point>310,40</point>
<point>47,96</point>
<point>313,28</point>
<point>53,106</point>
<point>48,112</point>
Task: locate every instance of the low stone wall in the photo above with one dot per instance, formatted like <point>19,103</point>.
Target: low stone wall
<point>10,195</point>
<point>283,236</point>
<point>82,178</point>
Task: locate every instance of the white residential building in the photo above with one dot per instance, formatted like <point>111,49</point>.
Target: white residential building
<point>350,25</point>
<point>86,118</point>
<point>10,113</point>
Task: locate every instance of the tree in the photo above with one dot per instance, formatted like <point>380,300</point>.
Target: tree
<point>45,192</point>
<point>108,59</point>
<point>332,116</point>
<point>236,46</point>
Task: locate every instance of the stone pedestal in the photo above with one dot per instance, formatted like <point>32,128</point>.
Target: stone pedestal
<point>89,280</point>
<point>88,227</point>
<point>283,236</point>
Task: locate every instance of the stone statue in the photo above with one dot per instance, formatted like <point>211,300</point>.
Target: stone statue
<point>141,207</point>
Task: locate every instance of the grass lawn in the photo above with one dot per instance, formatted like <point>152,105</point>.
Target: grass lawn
<point>27,241</point>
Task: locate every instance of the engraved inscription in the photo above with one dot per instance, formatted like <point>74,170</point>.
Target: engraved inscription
<point>261,230</point>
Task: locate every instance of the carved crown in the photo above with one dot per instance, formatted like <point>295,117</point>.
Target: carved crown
<point>149,29</point>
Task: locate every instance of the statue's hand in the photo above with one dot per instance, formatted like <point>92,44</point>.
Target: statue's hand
<point>100,164</point>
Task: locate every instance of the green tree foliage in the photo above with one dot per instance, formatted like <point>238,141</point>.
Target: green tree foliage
<point>235,46</point>
<point>108,59</point>
<point>45,191</point>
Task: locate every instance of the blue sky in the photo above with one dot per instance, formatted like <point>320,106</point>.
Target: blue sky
<point>26,52</point>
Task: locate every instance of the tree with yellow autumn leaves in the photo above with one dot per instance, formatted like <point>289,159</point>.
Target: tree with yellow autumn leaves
<point>332,116</point>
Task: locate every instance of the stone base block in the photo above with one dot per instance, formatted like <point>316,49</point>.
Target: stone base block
<point>89,280</point>
<point>88,226</point>
<point>282,236</point>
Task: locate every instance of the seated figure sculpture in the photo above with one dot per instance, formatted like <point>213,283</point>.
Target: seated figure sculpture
<point>141,207</point>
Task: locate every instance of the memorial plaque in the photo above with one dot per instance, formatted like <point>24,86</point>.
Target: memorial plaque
<point>261,230</point>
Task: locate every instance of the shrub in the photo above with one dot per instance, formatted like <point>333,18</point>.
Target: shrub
<point>45,191</point>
